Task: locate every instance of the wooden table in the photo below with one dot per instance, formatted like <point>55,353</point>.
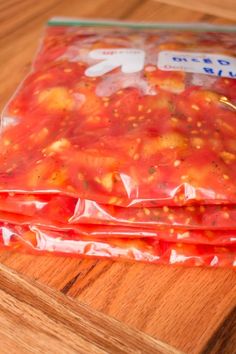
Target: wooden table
<point>190,309</point>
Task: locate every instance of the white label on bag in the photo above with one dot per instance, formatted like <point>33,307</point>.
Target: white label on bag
<point>129,60</point>
<point>201,63</point>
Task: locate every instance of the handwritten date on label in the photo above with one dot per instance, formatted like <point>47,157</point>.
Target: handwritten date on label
<point>201,63</point>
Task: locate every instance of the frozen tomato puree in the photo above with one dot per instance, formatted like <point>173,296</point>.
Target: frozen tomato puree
<point>100,117</point>
<point>38,240</point>
<point>70,211</point>
<point>207,237</point>
<point>200,217</point>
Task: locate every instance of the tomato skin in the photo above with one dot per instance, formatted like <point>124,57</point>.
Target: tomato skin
<point>226,87</point>
<point>171,81</point>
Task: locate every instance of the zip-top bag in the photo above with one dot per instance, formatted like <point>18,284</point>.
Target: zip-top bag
<point>125,114</point>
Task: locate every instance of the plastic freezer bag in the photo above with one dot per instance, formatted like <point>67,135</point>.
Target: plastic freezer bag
<point>150,250</point>
<point>125,113</point>
<point>207,237</point>
<point>199,217</point>
<point>70,211</point>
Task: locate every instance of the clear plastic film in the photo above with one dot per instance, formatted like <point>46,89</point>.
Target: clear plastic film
<point>37,240</point>
<point>68,210</point>
<point>204,237</point>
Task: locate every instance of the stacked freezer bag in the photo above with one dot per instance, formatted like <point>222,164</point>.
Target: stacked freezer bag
<point>121,143</point>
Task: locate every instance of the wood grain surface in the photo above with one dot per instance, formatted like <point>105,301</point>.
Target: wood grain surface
<point>35,316</point>
<point>226,8</point>
<point>190,309</point>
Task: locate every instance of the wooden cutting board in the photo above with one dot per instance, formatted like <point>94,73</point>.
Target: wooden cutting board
<point>190,309</point>
<point>38,318</point>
